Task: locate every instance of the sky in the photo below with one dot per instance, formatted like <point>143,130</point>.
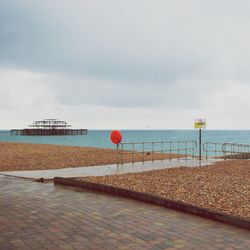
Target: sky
<point>134,64</point>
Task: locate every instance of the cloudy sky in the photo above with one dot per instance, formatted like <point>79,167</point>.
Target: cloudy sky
<point>134,64</point>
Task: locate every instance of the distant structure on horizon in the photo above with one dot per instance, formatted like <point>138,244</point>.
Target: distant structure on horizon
<point>49,127</point>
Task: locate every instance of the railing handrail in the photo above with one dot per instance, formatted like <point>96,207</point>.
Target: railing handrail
<point>226,143</point>
<point>173,147</point>
<point>236,144</point>
<point>150,142</point>
<point>235,148</point>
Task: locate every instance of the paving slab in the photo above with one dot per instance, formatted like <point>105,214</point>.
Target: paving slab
<point>43,216</point>
<point>110,169</point>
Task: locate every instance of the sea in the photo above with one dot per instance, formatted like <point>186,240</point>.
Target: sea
<point>101,138</point>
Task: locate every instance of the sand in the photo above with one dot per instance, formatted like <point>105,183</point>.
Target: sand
<point>223,187</point>
<point>24,156</point>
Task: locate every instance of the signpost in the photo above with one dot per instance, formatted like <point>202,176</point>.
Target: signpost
<point>116,138</point>
<point>200,124</point>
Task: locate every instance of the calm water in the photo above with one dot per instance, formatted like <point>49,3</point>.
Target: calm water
<point>100,138</point>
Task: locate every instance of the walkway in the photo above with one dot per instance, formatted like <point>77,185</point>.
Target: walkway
<point>44,216</point>
<point>110,169</point>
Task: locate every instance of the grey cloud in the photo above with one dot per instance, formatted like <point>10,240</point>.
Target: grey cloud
<point>92,91</point>
<point>158,41</point>
<point>137,53</point>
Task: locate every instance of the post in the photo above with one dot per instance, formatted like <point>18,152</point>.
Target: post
<point>122,155</point>
<point>193,145</point>
<point>178,150</point>
<point>116,138</point>
<point>200,124</point>
<point>200,144</point>
<point>117,154</point>
<point>143,152</point>
<point>153,151</point>
<point>161,150</point>
<point>170,150</point>
<point>186,145</point>
<point>133,160</point>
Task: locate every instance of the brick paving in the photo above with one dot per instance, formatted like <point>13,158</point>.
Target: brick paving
<point>44,216</point>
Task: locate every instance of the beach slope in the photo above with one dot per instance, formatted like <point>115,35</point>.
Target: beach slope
<point>24,156</point>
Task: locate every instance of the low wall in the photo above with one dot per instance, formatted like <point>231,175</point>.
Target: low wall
<point>180,206</point>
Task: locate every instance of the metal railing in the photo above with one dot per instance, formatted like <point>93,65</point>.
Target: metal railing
<point>226,150</point>
<point>236,151</point>
<point>144,151</point>
<point>213,149</point>
<point>150,151</point>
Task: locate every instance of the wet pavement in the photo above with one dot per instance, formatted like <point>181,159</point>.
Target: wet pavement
<point>110,169</point>
<point>43,216</point>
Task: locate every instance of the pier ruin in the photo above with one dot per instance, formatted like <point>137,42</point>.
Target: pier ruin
<point>49,127</point>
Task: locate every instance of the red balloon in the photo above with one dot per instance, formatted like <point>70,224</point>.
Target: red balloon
<point>116,136</point>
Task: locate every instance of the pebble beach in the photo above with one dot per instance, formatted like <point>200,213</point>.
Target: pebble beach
<point>222,187</point>
<point>25,156</point>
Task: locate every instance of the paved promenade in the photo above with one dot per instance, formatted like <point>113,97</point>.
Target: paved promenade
<point>110,169</point>
<point>44,216</point>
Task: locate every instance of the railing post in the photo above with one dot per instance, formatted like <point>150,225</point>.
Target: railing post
<point>205,148</point>
<point>193,145</point>
<point>223,150</point>
<point>200,144</point>
<point>153,151</point>
<point>186,150</point>
<point>170,148</point>
<point>117,154</point>
<point>122,153</point>
<point>143,151</point>
<point>178,145</point>
<point>162,151</point>
<point>133,154</point>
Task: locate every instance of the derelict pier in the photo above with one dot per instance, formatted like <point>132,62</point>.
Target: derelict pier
<point>49,127</point>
